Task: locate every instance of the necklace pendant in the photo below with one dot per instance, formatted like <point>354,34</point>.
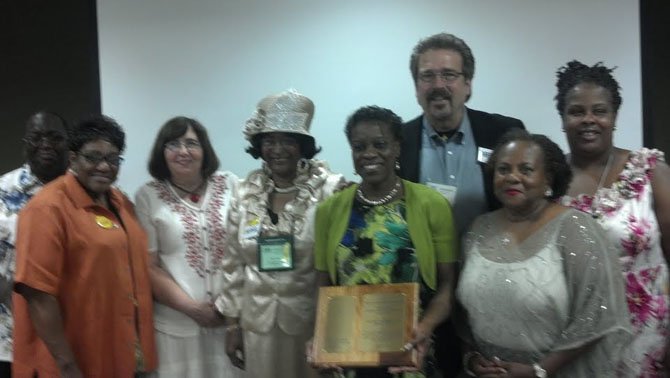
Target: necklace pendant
<point>194,198</point>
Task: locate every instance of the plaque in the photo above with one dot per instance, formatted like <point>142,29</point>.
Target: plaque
<point>366,325</point>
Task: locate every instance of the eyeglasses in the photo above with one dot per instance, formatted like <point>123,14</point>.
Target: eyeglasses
<point>112,160</point>
<point>176,145</point>
<point>446,75</point>
<point>283,142</point>
<point>36,140</point>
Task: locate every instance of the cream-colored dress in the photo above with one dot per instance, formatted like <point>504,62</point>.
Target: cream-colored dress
<point>276,309</point>
<point>191,243</point>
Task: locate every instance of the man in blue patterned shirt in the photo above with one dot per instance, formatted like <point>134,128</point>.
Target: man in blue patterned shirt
<point>45,149</point>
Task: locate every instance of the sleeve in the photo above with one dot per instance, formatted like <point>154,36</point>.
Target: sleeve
<point>40,248</point>
<point>321,227</point>
<point>229,301</point>
<point>443,231</point>
<point>143,211</point>
<point>598,309</point>
<point>7,254</point>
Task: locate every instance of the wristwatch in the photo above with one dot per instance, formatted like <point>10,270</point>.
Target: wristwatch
<point>539,371</point>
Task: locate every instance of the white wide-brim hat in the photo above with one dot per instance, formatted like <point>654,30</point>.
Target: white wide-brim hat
<point>285,112</point>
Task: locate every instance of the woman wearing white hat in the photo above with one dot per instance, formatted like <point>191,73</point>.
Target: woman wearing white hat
<point>269,280</point>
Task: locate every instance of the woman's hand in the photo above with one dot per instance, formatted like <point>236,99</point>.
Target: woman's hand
<point>235,346</point>
<point>515,370</point>
<point>483,367</point>
<point>421,341</point>
<point>205,314</point>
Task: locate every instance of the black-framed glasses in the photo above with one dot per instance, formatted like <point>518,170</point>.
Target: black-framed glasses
<point>36,140</point>
<point>447,75</point>
<point>95,159</point>
<point>176,145</point>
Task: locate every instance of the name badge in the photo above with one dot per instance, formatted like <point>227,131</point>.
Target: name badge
<point>448,191</point>
<point>483,154</point>
<point>252,229</point>
<point>275,253</point>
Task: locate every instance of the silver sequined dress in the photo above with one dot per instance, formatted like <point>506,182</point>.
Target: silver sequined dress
<point>559,289</point>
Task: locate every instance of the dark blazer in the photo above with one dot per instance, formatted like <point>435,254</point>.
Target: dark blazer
<point>487,128</point>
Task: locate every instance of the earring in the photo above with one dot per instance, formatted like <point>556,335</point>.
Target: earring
<point>549,192</point>
<point>397,165</point>
<point>303,166</point>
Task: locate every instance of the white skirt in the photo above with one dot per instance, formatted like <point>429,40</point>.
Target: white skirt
<point>276,355</point>
<point>200,356</point>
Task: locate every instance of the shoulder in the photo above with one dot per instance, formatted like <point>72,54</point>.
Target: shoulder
<point>9,179</point>
<point>414,122</point>
<point>579,222</point>
<point>422,193</point>
<point>53,193</point>
<point>479,118</point>
<point>224,176</point>
<point>342,197</point>
<point>413,126</point>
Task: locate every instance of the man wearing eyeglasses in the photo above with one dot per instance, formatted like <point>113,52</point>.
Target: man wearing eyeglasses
<point>448,145</point>
<point>45,149</point>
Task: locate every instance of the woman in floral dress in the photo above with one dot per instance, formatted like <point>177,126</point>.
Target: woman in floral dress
<point>627,192</point>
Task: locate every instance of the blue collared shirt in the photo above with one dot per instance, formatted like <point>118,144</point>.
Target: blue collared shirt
<point>454,162</point>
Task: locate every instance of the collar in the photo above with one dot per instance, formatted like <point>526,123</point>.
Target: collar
<point>462,133</point>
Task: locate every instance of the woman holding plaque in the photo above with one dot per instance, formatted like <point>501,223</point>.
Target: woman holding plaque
<point>540,286</point>
<point>387,230</point>
<point>269,278</point>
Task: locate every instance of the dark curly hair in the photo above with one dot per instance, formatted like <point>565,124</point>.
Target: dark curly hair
<point>94,128</point>
<point>576,72</point>
<point>555,164</point>
<point>375,114</point>
<point>174,129</point>
<point>444,41</point>
<point>308,148</point>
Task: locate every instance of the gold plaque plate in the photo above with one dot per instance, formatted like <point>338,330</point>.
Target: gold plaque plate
<point>366,325</point>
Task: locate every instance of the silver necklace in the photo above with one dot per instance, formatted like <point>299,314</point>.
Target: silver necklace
<point>601,181</point>
<point>288,189</point>
<point>384,200</point>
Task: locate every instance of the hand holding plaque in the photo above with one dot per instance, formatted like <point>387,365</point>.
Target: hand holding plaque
<point>366,325</point>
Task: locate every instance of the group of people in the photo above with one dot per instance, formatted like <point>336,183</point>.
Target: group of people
<point>530,262</point>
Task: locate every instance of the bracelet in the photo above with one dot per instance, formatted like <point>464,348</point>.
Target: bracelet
<point>539,371</point>
<point>231,327</point>
<point>466,362</point>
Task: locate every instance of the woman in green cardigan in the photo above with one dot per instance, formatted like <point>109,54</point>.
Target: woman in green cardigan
<point>387,230</point>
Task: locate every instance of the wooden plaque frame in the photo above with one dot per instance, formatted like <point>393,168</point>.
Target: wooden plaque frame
<point>356,353</point>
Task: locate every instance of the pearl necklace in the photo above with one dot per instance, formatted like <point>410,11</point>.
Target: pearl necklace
<point>288,189</point>
<point>384,200</point>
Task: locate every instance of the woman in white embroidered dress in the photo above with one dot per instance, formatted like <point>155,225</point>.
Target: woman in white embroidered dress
<point>627,192</point>
<point>270,283</point>
<point>184,211</point>
<point>542,294</point>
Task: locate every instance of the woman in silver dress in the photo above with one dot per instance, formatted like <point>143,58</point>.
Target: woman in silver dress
<point>542,292</point>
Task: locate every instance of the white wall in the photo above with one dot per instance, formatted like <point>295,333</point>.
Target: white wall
<point>213,60</point>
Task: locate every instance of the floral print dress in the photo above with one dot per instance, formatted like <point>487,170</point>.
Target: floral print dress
<point>626,212</point>
<point>377,249</point>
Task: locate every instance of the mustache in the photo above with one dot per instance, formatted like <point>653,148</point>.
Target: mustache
<point>438,93</point>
